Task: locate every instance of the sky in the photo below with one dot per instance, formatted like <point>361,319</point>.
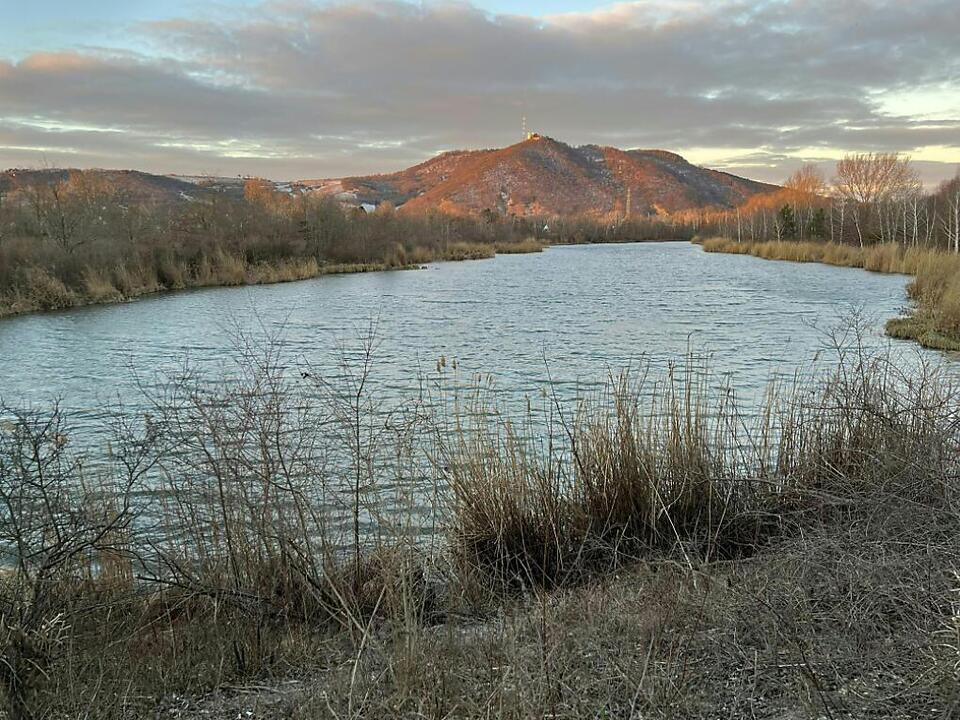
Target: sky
<point>293,89</point>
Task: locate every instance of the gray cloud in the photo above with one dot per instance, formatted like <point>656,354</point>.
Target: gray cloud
<point>293,89</point>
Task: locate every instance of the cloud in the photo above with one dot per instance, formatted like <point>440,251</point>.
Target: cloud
<point>295,88</point>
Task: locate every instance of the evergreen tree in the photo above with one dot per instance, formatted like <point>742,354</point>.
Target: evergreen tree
<point>788,222</point>
<point>818,224</point>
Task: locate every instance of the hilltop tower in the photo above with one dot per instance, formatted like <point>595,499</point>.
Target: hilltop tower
<point>529,134</point>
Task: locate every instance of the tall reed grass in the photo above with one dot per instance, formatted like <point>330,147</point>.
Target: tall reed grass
<point>675,466</point>
<point>527,245</point>
<point>241,528</point>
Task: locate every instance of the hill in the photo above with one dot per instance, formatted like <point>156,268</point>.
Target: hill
<point>542,176</point>
<point>130,185</point>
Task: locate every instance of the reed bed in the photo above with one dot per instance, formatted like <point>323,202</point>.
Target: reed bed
<point>37,289</point>
<point>673,466</point>
<point>272,529</point>
<point>934,321</point>
<point>518,247</point>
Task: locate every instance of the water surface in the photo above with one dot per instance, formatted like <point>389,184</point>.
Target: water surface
<point>580,311</point>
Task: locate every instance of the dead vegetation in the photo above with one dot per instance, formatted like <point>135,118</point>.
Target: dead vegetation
<point>76,238</point>
<point>271,545</point>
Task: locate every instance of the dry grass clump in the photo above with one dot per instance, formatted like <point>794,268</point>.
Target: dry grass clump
<point>658,473</point>
<point>43,290</point>
<point>919,329</point>
<point>676,468</point>
<point>885,258</point>
<point>133,280</point>
<point>283,271</point>
<point>172,274</point>
<point>820,252</point>
<point>527,245</point>
<point>220,268</point>
<point>654,551</point>
<point>99,288</point>
<point>936,290</point>
<point>467,251</point>
<point>509,510</point>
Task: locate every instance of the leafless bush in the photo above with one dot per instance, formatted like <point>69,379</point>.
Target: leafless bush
<point>65,540</point>
<point>242,525</point>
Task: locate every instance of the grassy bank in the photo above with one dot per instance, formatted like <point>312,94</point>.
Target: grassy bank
<point>934,321</point>
<point>37,288</point>
<point>76,239</point>
<point>650,551</point>
<point>40,290</point>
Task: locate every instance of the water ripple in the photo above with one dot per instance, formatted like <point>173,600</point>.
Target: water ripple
<point>577,311</point>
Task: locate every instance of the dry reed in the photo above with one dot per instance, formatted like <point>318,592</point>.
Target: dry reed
<point>824,523</point>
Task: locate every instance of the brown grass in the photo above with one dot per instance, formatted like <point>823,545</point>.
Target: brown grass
<point>467,251</point>
<point>42,291</point>
<point>638,477</point>
<point>527,245</point>
<point>653,552</point>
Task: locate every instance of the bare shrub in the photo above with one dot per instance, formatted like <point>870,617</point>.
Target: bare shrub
<point>63,537</point>
<point>285,522</point>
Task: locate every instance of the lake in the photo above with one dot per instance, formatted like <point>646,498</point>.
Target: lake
<point>578,310</point>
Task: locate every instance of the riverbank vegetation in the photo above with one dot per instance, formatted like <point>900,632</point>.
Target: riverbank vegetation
<point>76,239</point>
<point>875,215</point>
<point>286,547</point>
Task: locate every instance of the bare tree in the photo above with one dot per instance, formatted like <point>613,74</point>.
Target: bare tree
<point>869,181</point>
<point>55,527</point>
<point>950,192</point>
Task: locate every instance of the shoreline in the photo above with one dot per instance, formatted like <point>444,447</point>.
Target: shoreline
<point>931,322</point>
<point>631,567</point>
<point>295,270</point>
<point>345,269</point>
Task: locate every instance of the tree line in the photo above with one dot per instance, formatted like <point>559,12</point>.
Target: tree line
<point>872,198</point>
<point>79,237</point>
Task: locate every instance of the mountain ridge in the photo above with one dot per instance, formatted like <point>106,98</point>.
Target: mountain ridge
<point>540,176</point>
<point>543,176</point>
